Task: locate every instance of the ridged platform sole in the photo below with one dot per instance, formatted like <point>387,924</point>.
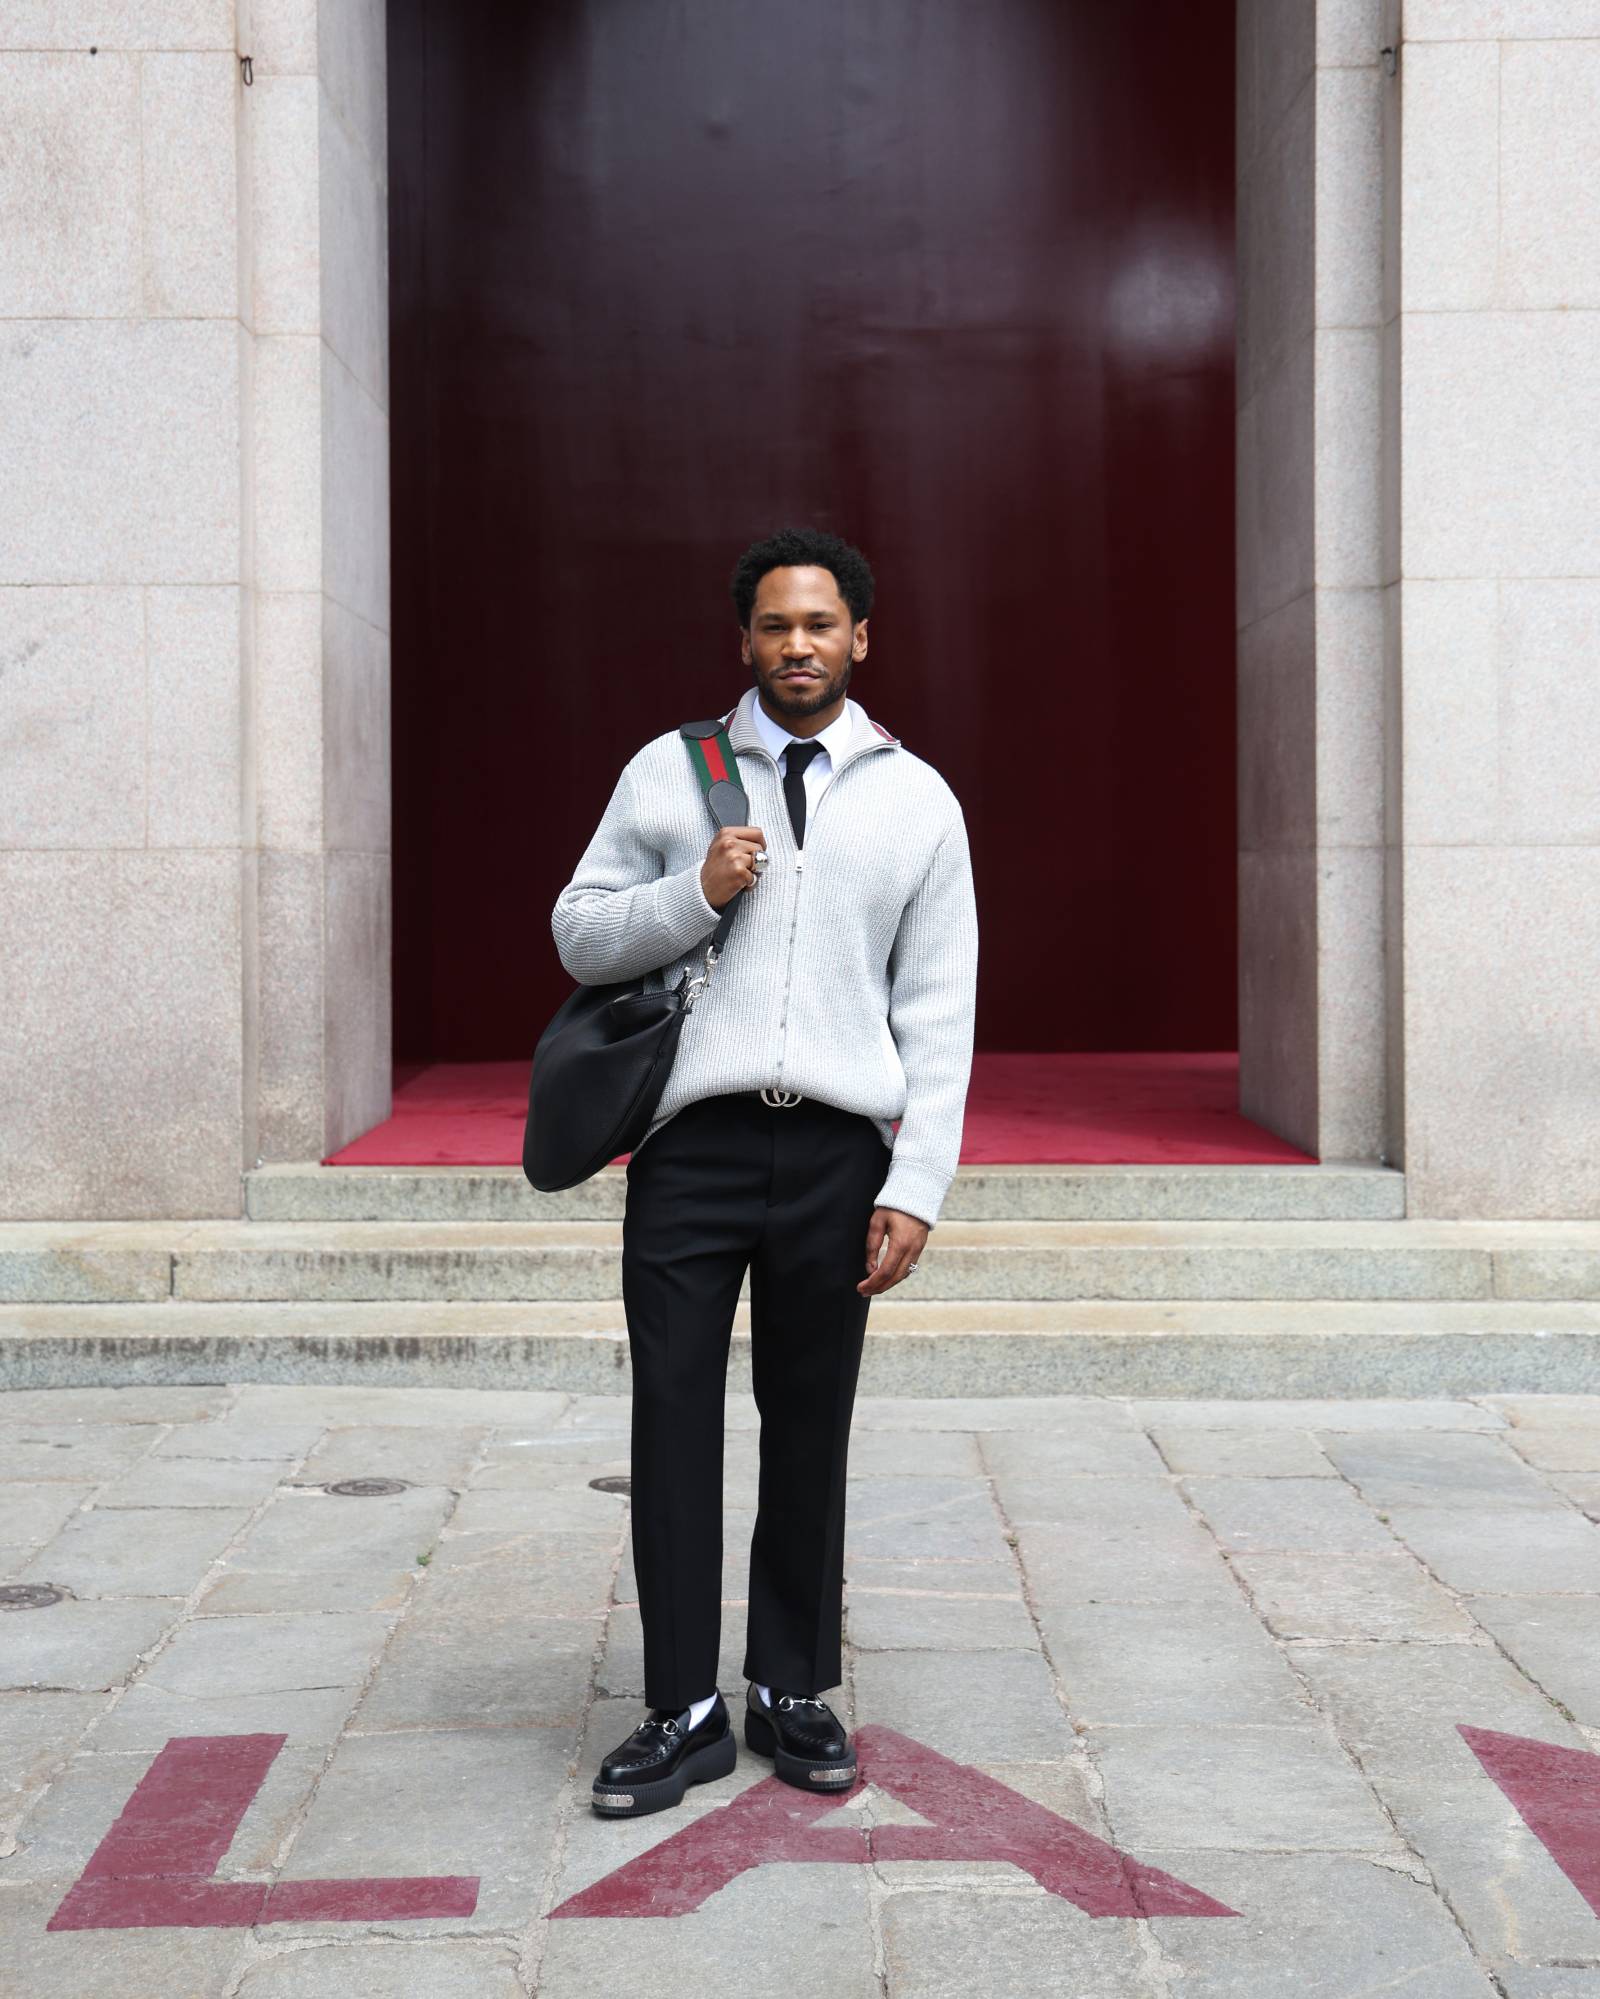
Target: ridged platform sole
<point>634,1801</point>
<point>805,1772</point>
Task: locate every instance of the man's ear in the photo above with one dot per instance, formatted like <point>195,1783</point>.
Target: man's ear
<point>858,644</point>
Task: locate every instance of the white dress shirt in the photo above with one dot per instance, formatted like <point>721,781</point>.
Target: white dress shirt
<point>820,769</point>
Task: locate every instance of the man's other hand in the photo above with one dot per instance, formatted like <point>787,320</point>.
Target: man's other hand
<point>900,1239</point>
<point>730,863</point>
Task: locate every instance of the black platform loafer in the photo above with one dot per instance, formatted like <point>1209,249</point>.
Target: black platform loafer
<point>804,1737</point>
<point>661,1759</point>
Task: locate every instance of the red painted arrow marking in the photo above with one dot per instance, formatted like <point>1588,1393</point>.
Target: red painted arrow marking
<point>154,1868</point>
<point>971,1817</point>
<point>1557,1794</point>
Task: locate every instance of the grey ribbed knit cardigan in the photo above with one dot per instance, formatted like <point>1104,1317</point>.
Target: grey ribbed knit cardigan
<point>850,969</point>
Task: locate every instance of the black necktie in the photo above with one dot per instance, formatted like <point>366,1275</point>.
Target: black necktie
<point>795,759</point>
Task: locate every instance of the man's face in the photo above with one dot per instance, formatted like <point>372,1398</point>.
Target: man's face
<point>801,642</point>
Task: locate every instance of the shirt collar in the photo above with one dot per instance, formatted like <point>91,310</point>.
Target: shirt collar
<point>777,738</point>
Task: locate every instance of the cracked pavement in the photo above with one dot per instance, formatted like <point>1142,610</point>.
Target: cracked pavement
<point>1237,1641</point>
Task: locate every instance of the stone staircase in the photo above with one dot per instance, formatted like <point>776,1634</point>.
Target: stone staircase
<point>1179,1280</point>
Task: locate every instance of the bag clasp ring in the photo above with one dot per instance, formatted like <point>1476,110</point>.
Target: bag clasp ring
<point>780,1100</point>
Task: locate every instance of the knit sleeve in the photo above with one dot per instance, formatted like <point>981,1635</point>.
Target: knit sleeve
<point>621,915</point>
<point>932,995</point>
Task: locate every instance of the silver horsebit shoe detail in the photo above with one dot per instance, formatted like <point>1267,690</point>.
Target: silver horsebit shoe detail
<point>780,1100</point>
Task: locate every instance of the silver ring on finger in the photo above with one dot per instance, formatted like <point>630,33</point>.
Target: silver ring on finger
<point>909,1268</point>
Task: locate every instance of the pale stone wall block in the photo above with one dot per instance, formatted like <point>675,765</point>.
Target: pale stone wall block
<point>355,495</point>
<point>356,735</point>
<point>1350,952</point>
<point>1549,711</point>
<point>1277,746</point>
<point>289,718</point>
<point>289,446</point>
<point>69,185</point>
<point>289,909</point>
<point>1449,730</point>
<point>1278,1032</point>
<point>359,1027</point>
<point>1503,1035</point>
<point>1349,196</point>
<point>1276,473</point>
<point>194,730</point>
<point>190,180</point>
<point>121,447</point>
<point>1348,789</point>
<point>352,62</point>
<point>1285,58</point>
<point>1501,444</point>
<point>283,36</point>
<point>120,1069</point>
<point>1496,20</point>
<point>1349,32</point>
<point>72,722</point>
<point>1348,465</point>
<point>117,24</point>
<point>355,256</point>
<point>1550,169</point>
<point>1276,249</point>
<point>1450,196</point>
<point>287,256</point>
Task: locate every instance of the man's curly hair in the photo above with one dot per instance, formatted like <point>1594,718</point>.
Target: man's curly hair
<point>803,548</point>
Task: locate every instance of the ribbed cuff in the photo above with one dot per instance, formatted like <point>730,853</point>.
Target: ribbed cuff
<point>685,914</point>
<point>914,1189</point>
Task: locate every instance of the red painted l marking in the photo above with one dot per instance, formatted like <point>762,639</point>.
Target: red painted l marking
<point>154,1869</point>
<point>1557,1793</point>
<point>971,1817</point>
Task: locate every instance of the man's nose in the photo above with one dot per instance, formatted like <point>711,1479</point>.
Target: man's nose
<point>797,646</point>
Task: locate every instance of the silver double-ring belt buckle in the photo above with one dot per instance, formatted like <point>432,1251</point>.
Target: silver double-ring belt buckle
<point>780,1100</point>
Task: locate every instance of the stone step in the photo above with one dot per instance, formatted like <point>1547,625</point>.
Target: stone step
<point>914,1347</point>
<point>452,1262</point>
<point>1353,1191</point>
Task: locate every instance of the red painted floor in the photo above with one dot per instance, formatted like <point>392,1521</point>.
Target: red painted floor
<point>1139,1109</point>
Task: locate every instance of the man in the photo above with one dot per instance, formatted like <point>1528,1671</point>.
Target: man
<point>842,1002</point>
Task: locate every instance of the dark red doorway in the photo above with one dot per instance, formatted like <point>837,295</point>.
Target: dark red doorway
<point>954,280</point>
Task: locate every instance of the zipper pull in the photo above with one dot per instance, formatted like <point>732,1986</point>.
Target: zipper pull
<point>799,862</point>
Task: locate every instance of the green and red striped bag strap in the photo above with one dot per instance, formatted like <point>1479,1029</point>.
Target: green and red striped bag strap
<point>715,765</point>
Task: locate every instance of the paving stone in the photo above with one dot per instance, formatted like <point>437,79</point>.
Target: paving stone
<point>1303,1595</point>
<point>989,1413</point>
<point>813,1922</point>
<point>977,1707</point>
<point>1319,1926</point>
<point>914,1454</point>
<point>1438,1469</point>
<point>574,1509</point>
<point>1073,1449</point>
<point>1248,1515</point>
<point>1527,1412</point>
<point>37,1732</point>
<point>248,1592</point>
<point>524,1461</point>
<point>331,1404</point>
<point>72,1817</point>
<point>1253,1453</point>
<point>132,1964</point>
<point>1138,1662</point>
<point>421,1454</point>
<point>523,1575</point>
<point>147,1717</point>
<point>1569,1447</point>
<point>1176,1562</point>
<point>1134,1505</point>
<point>1511,1551</point>
<point>937,1612</point>
<point>81,1647</point>
<point>306,1530</point>
<point>390,1968</point>
<point>213,1658</point>
<point>1398,1709</point>
<point>1581,1488</point>
<point>235,1482</point>
<point>239,1435</point>
<point>37,1452</point>
<point>33,1513</point>
<point>55,1406</point>
<point>137,1551</point>
<point>1010,1940</point>
<point>622,1665</point>
<point>1556,1642</point>
<point>1241,1788</point>
<point>469,1801</point>
<point>1551,1982</point>
<point>443,1672</point>
<point>939,1517</point>
<point>1334,1417</point>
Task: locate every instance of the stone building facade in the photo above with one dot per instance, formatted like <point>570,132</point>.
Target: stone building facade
<point>194,595</point>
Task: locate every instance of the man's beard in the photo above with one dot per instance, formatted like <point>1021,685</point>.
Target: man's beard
<point>807,698</point>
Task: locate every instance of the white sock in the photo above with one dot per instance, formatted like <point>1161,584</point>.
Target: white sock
<point>698,1710</point>
<point>764,1692</point>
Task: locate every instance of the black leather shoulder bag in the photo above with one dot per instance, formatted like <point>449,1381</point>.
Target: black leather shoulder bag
<point>602,1063</point>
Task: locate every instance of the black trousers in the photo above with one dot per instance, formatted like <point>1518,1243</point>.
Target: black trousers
<point>727,1183</point>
